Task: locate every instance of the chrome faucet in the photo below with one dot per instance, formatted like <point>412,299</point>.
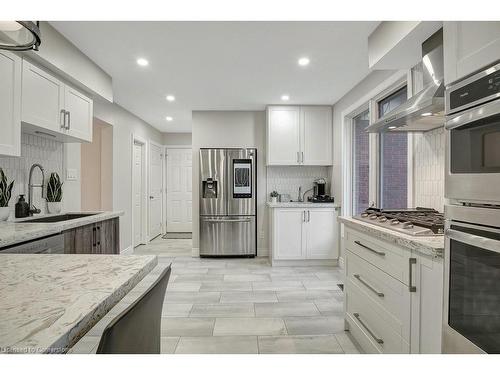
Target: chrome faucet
<point>33,209</point>
<point>299,197</point>
<point>305,192</point>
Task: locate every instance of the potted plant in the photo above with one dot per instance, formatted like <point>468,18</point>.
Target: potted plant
<point>54,194</point>
<point>5,193</point>
<point>274,196</point>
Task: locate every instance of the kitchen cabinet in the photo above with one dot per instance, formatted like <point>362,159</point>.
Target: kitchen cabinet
<point>300,234</point>
<point>97,238</point>
<point>53,108</point>
<point>468,47</point>
<point>299,135</point>
<point>393,296</point>
<point>10,104</point>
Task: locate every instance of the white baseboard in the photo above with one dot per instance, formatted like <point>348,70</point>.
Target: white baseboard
<point>128,251</point>
<point>262,252</point>
<point>195,252</point>
<point>304,262</point>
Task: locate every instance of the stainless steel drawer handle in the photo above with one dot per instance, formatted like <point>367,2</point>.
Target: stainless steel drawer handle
<point>380,294</point>
<point>411,261</point>
<point>377,339</point>
<point>381,253</point>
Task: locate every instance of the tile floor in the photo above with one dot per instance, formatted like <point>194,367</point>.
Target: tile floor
<point>240,306</point>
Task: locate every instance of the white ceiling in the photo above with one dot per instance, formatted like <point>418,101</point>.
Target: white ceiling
<point>222,65</point>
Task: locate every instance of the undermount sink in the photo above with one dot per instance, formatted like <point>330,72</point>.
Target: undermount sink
<point>58,218</point>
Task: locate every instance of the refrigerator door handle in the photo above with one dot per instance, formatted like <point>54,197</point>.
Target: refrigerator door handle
<point>247,220</point>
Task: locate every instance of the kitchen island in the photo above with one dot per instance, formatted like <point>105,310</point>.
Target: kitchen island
<point>49,301</point>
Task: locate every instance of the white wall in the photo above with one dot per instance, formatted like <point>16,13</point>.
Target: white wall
<point>124,125</point>
<point>177,139</point>
<point>232,129</point>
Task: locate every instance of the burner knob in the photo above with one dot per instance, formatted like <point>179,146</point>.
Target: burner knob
<point>407,225</point>
<point>364,214</point>
<point>394,222</point>
<point>382,219</point>
<point>373,216</point>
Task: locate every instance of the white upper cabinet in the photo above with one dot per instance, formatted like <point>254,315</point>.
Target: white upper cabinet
<point>469,46</point>
<point>283,135</point>
<point>299,135</point>
<point>58,109</point>
<point>316,135</point>
<point>43,98</point>
<point>79,113</point>
<point>10,104</point>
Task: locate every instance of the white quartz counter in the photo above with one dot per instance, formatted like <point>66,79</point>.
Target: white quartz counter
<point>427,245</point>
<point>13,232</point>
<point>302,205</point>
<point>47,302</point>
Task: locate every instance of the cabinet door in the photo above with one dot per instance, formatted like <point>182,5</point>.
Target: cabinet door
<point>42,98</point>
<point>283,135</point>
<point>316,135</point>
<point>81,240</point>
<point>79,117</point>
<point>108,236</point>
<point>288,234</point>
<point>10,104</point>
<point>321,234</point>
<point>469,46</point>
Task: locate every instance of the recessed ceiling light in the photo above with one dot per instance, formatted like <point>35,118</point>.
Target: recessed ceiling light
<point>392,127</point>
<point>285,97</point>
<point>426,114</point>
<point>304,61</point>
<point>170,98</point>
<point>142,62</point>
<point>169,118</point>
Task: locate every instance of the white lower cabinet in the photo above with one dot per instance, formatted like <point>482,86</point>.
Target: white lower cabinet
<point>304,234</point>
<point>393,296</point>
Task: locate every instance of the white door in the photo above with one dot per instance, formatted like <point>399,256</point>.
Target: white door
<point>155,190</point>
<point>289,239</point>
<point>79,114</point>
<point>316,135</point>
<point>179,190</point>
<point>137,192</point>
<point>321,234</point>
<point>42,98</point>
<point>283,135</point>
<point>10,104</point>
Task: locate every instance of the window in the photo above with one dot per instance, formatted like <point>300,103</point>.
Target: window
<point>393,153</point>
<point>361,159</point>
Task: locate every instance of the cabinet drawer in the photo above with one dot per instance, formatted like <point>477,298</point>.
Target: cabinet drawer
<point>369,327</point>
<point>390,259</point>
<point>390,295</point>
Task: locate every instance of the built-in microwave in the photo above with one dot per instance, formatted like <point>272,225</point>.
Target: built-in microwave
<point>473,138</point>
<point>471,316</point>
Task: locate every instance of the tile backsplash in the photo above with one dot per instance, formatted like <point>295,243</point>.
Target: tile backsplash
<point>47,152</point>
<point>286,180</point>
<point>429,169</point>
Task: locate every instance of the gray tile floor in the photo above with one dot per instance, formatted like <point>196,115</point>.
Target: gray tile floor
<point>240,306</point>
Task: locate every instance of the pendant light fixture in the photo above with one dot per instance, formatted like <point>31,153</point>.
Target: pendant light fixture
<point>19,35</point>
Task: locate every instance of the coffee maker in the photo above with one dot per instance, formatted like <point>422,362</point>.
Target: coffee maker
<point>319,195</point>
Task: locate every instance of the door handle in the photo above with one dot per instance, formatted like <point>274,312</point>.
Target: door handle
<point>381,253</point>
<point>99,236</point>
<point>62,119</point>
<point>69,120</point>
<point>380,294</point>
<point>377,339</point>
<point>308,216</point>
<point>303,216</point>
<point>93,237</point>
<point>298,157</point>
<point>411,287</point>
<point>227,220</point>
<point>302,158</point>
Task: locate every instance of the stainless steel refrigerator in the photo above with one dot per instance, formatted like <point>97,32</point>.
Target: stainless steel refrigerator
<point>228,202</point>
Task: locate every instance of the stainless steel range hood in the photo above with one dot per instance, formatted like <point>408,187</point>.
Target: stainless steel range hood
<point>424,111</point>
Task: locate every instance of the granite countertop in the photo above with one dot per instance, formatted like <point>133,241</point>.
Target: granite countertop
<point>13,232</point>
<point>47,302</point>
<point>427,245</point>
<point>302,204</point>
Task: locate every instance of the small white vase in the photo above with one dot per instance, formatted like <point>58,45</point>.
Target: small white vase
<point>54,207</point>
<point>274,199</point>
<point>4,213</point>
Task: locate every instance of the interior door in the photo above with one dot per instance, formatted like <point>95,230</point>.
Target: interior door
<point>137,193</point>
<point>179,190</point>
<point>155,190</point>
<point>79,116</point>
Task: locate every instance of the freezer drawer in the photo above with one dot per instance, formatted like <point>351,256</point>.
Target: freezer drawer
<point>227,236</point>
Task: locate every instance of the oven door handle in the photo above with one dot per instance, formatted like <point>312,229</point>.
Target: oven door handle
<point>477,113</point>
<point>473,240</point>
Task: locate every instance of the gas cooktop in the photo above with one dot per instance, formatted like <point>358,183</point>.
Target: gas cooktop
<point>418,221</point>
